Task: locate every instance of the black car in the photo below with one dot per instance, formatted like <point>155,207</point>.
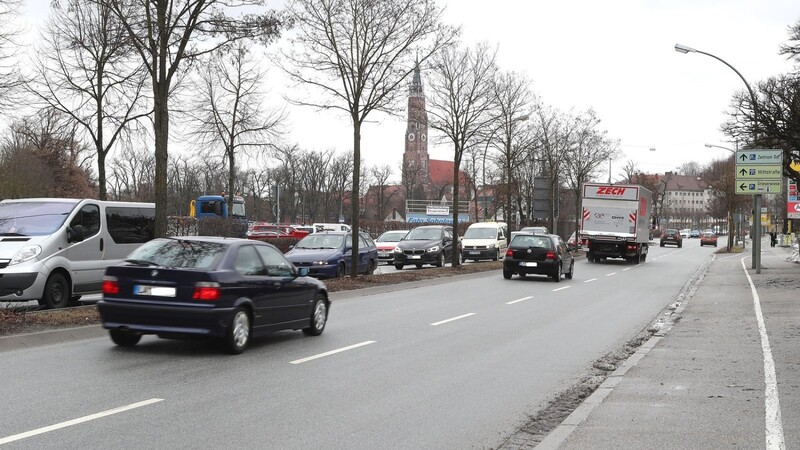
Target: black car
<point>543,254</point>
<point>429,244</point>
<point>672,236</point>
<point>199,286</point>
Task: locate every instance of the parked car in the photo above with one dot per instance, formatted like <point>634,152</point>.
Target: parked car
<point>538,254</point>
<point>201,286</point>
<point>386,243</point>
<point>428,244</point>
<point>328,253</point>
<point>672,236</point>
<point>708,239</point>
<point>694,234</point>
<point>269,230</point>
<point>485,240</point>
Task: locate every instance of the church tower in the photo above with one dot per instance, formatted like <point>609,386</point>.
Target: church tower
<point>416,169</point>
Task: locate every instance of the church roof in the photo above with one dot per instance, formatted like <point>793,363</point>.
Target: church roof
<point>441,172</point>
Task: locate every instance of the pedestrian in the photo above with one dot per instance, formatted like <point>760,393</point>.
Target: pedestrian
<point>773,238</point>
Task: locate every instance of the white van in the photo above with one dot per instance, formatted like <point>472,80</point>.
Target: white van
<point>54,249</point>
<point>330,227</point>
<point>485,240</point>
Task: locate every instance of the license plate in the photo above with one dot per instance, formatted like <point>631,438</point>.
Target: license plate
<point>415,257</point>
<point>527,264</point>
<point>155,291</point>
<point>383,254</point>
<point>474,253</point>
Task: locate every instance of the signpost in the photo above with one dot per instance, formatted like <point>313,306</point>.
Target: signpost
<point>758,171</point>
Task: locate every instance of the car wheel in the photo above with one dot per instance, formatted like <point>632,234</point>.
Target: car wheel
<point>507,274</point>
<point>319,317</point>
<point>418,266</point>
<point>398,266</point>
<point>56,292</point>
<point>557,274</point>
<point>496,256</point>
<point>238,334</point>
<point>124,338</point>
<point>371,267</point>
<point>340,270</point>
<point>571,270</point>
<point>662,244</point>
<point>680,245</point>
<point>440,260</point>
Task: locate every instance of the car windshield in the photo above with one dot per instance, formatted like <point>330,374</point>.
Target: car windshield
<point>534,230</point>
<point>178,253</point>
<point>321,241</point>
<point>671,231</point>
<point>481,233</point>
<point>522,240</point>
<point>391,236</point>
<point>33,218</point>
<point>423,234</point>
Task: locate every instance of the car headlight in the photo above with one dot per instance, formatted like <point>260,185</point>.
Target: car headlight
<point>398,250</point>
<point>433,249</point>
<point>490,246</point>
<point>319,263</point>
<point>26,254</point>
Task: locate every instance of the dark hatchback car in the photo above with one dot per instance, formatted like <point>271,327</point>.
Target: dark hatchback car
<point>428,244</point>
<point>199,286</point>
<point>328,254</point>
<point>672,236</point>
<point>543,254</point>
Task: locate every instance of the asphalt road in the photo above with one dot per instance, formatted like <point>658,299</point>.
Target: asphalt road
<point>453,364</point>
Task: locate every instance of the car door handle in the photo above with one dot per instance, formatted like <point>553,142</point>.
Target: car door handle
<point>277,284</point>
<point>101,244</point>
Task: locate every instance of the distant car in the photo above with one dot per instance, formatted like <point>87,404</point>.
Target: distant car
<point>573,242</point>
<point>672,236</point>
<point>685,233</point>
<point>529,230</point>
<point>538,254</point>
<point>269,230</point>
<point>708,239</point>
<point>200,286</point>
<point>694,234</point>
<point>328,253</point>
<point>428,244</point>
<point>386,243</point>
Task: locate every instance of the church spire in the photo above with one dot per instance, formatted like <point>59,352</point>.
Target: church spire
<point>416,81</point>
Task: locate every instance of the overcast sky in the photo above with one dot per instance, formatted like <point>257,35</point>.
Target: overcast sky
<point>614,56</point>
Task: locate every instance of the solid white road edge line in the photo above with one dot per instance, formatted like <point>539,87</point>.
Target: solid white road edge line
<point>77,421</point>
<point>452,319</point>
<point>518,300</point>
<point>590,280</point>
<point>561,288</point>
<point>332,352</point>
<point>772,404</point>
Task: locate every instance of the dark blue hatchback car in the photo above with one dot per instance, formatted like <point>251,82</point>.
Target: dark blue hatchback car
<point>200,286</point>
<point>327,254</point>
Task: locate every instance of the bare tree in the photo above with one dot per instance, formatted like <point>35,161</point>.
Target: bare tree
<point>381,176</point>
<point>691,168</point>
<point>86,69</point>
<point>10,77</point>
<point>461,105</point>
<point>358,52</point>
<point>229,112</point>
<point>131,175</point>
<point>554,139</point>
<point>165,34</point>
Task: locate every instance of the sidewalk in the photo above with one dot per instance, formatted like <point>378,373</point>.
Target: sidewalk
<point>701,383</point>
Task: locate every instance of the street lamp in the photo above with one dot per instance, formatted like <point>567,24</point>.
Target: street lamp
<point>756,198</point>
<point>719,146</point>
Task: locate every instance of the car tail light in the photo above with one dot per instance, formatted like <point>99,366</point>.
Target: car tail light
<point>550,255</point>
<point>110,285</point>
<point>208,291</point>
<point>631,246</point>
<point>510,253</point>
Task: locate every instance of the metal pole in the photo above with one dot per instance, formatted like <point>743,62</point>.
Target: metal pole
<point>757,233</point>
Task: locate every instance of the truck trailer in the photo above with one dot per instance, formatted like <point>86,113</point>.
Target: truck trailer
<point>616,222</point>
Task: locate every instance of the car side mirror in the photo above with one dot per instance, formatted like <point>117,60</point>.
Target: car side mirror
<point>76,233</point>
<point>302,271</point>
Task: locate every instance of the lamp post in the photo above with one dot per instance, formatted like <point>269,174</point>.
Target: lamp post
<point>756,198</point>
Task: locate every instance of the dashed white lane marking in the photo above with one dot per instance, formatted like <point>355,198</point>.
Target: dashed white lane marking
<point>332,352</point>
<point>590,280</point>
<point>77,421</point>
<point>772,404</point>
<point>452,319</point>
<point>561,288</point>
<point>518,300</point>
<point>612,273</point>
<point>627,268</point>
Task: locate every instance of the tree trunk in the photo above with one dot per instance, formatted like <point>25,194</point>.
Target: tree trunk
<point>161,130</point>
<point>456,165</point>
<point>354,197</point>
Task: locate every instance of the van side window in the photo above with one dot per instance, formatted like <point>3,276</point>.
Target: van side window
<point>89,217</point>
<point>130,225</point>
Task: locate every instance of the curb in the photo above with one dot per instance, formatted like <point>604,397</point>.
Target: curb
<point>42,338</point>
<point>663,323</point>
